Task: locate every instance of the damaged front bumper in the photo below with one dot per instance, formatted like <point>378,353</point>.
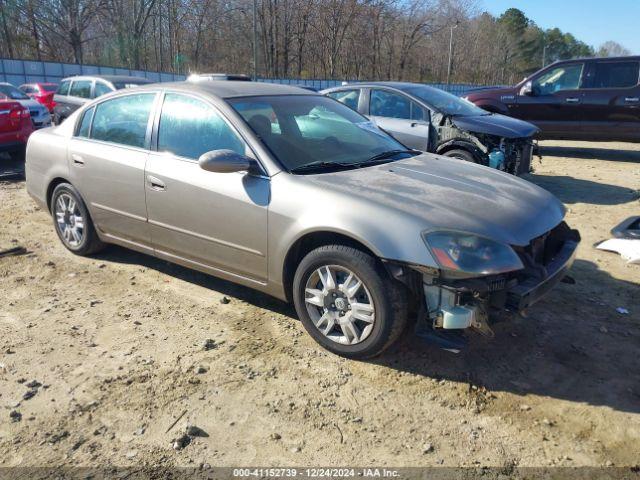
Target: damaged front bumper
<point>452,306</point>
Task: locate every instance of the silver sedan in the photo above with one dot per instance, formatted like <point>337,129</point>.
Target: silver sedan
<point>297,195</point>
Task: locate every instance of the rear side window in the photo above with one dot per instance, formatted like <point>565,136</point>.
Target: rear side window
<point>101,89</point>
<point>616,74</point>
<point>189,127</point>
<point>63,89</point>
<point>85,123</point>
<point>348,97</point>
<point>123,120</point>
<point>81,88</point>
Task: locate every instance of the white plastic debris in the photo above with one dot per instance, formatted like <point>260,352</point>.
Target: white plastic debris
<point>628,248</point>
<point>622,311</point>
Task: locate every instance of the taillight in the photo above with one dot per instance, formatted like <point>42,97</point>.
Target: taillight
<point>17,114</point>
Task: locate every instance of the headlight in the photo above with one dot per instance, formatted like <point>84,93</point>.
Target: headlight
<point>464,252</point>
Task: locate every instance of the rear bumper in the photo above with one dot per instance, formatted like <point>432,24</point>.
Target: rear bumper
<point>529,291</point>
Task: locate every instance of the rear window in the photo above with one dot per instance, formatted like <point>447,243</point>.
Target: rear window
<point>12,92</point>
<point>50,87</point>
<point>616,74</point>
<point>128,84</point>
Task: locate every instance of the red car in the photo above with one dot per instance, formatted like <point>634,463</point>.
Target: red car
<point>15,127</point>
<point>42,92</point>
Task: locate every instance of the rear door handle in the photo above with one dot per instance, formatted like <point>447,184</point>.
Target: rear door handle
<point>572,100</point>
<point>155,183</point>
<point>77,159</point>
<point>632,99</point>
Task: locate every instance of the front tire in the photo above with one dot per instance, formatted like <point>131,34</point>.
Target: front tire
<point>72,221</point>
<point>461,155</point>
<point>348,303</point>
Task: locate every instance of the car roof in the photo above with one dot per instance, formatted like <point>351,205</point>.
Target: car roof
<point>396,85</point>
<point>230,89</point>
<point>109,78</point>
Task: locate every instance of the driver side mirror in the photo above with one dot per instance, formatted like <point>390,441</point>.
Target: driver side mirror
<point>224,161</point>
<point>527,89</point>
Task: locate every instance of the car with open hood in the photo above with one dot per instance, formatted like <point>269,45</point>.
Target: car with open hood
<point>294,194</point>
<point>432,120</point>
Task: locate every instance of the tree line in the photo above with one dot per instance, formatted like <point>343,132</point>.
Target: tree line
<point>345,39</point>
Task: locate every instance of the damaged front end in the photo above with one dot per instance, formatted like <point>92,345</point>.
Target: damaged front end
<point>511,154</point>
<point>454,303</point>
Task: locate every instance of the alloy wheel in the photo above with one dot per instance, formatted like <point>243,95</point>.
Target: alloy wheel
<point>69,220</point>
<point>339,304</point>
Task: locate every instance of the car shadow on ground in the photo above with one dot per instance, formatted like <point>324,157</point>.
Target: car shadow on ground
<point>576,190</point>
<point>11,169</point>
<point>590,153</point>
<point>118,254</point>
<point>573,346</point>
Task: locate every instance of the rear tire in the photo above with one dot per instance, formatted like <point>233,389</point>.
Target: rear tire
<point>72,221</point>
<point>461,155</point>
<point>357,313</point>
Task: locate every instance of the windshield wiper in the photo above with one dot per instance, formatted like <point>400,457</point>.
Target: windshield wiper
<point>385,156</point>
<point>320,165</point>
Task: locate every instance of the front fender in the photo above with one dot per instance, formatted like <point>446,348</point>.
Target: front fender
<point>388,233</point>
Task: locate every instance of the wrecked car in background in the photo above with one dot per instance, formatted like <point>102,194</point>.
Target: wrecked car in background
<point>305,200</point>
<point>432,120</point>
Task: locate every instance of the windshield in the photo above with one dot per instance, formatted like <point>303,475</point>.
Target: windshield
<point>49,87</point>
<point>12,92</point>
<point>304,129</point>
<point>445,102</point>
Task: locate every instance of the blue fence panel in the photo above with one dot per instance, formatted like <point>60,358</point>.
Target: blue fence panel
<point>33,68</point>
<point>53,69</point>
<point>18,72</point>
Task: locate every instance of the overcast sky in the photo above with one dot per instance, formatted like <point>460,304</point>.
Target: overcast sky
<point>592,21</point>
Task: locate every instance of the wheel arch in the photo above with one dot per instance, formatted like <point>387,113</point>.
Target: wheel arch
<point>459,144</point>
<point>52,186</point>
<point>310,241</point>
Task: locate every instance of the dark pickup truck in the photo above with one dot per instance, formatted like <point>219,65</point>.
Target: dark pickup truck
<point>585,99</point>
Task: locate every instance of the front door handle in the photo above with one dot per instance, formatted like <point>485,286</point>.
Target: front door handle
<point>632,99</point>
<point>572,100</point>
<point>155,183</point>
<point>77,159</point>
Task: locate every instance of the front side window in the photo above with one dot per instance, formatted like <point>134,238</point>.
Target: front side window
<point>348,97</point>
<point>389,105</point>
<point>616,75</point>
<point>85,123</point>
<point>81,88</point>
<point>189,127</point>
<point>313,129</point>
<point>123,120</point>
<point>563,77</point>
<point>101,89</point>
<point>63,89</point>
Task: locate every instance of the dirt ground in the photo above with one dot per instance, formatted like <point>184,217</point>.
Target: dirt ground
<point>120,345</point>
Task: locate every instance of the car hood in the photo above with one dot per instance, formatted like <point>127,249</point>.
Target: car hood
<point>496,124</point>
<point>448,194</point>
